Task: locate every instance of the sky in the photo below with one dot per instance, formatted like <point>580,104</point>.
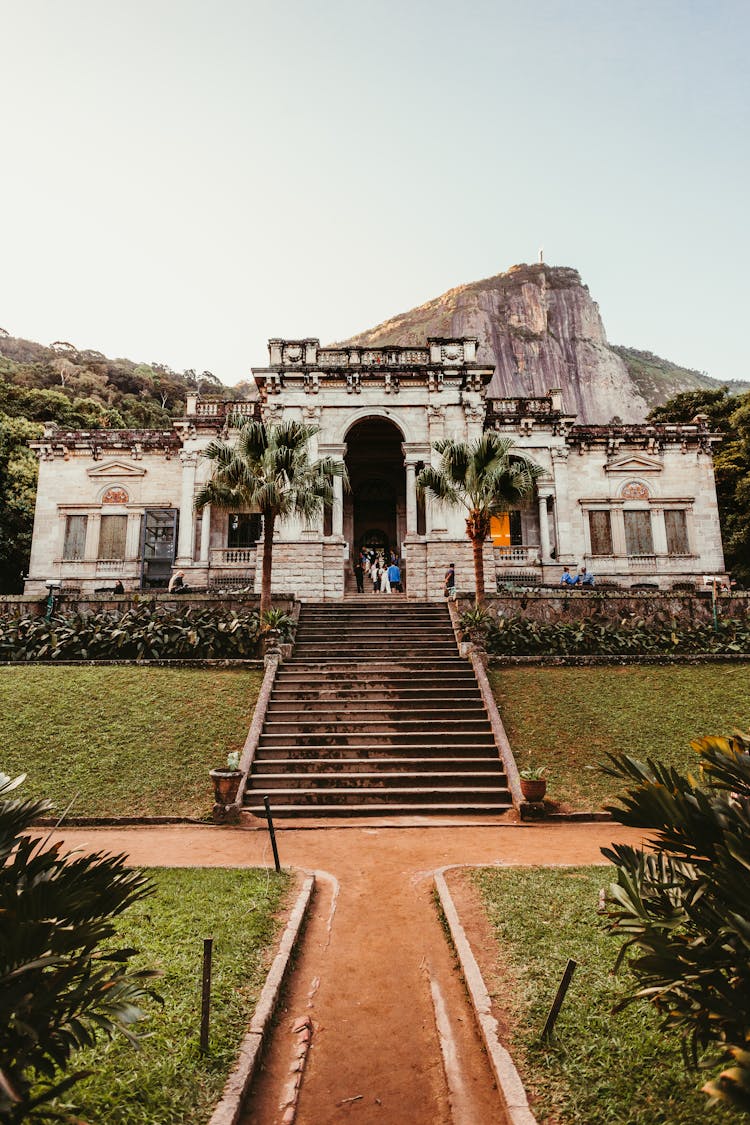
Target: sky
<point>182,179</point>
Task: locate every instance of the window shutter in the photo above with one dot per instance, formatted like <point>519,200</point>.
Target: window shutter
<point>638,537</point>
<point>600,527</point>
<point>676,526</point>
<point>74,547</point>
<point>112,537</point>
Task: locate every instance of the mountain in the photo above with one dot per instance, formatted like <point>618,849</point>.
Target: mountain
<point>541,328</point>
<point>659,379</point>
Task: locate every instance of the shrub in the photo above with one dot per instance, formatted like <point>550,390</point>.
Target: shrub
<point>683,908</point>
<point>600,636</point>
<point>59,984</point>
<point>145,632</point>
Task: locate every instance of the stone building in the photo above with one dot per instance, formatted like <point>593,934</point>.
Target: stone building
<point>633,503</point>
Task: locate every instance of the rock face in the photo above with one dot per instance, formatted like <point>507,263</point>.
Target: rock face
<point>539,325</point>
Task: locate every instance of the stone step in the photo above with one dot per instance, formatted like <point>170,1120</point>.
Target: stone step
<point>407,754</point>
<point>423,738</point>
<point>315,765</point>
<point>372,694</point>
<point>443,794</point>
<point>403,808</point>
<point>375,780</point>
<point>436,667</point>
<point>374,725</point>
<point>337,709</point>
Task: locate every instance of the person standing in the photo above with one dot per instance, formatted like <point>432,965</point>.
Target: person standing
<point>385,585</point>
<point>394,575</point>
<point>450,580</point>
<point>375,576</point>
<point>359,574</point>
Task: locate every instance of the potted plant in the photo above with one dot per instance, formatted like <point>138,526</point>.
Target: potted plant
<point>533,785</point>
<point>227,780</point>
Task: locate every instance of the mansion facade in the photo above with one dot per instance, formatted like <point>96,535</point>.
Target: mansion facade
<point>633,503</point>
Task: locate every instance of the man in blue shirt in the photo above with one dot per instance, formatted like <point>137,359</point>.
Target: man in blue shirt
<point>586,577</point>
<point>567,579</point>
<point>394,576</point>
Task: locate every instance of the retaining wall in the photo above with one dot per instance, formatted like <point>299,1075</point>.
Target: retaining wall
<point>575,605</point>
<point>33,606</point>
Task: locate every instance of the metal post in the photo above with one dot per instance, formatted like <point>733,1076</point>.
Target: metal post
<point>713,605</point>
<point>557,1003</point>
<point>208,944</point>
<point>267,803</point>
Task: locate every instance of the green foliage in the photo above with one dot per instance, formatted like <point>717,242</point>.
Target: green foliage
<point>60,982</point>
<point>282,622</point>
<point>268,470</point>
<point>533,773</point>
<point>731,416</point>
<point>476,624</point>
<point>599,1068</point>
<point>486,477</point>
<point>123,740</point>
<point>18,476</point>
<point>145,632</point>
<point>683,906</point>
<point>598,635</point>
<point>659,379</point>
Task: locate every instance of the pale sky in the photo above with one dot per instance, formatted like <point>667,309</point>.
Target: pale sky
<point>180,180</point>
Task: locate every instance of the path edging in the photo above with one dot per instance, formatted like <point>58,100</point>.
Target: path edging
<point>236,1088</point>
<point>509,1084</point>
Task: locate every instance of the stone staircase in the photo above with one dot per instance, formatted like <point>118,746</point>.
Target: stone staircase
<point>376,714</point>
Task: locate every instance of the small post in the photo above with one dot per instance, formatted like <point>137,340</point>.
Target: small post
<point>208,945</point>
<point>713,605</point>
<point>557,1003</point>
<point>267,803</point>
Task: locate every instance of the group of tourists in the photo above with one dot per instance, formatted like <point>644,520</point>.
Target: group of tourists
<point>385,576</point>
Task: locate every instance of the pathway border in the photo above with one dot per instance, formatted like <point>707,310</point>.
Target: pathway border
<point>236,1088</point>
<point>509,1084</point>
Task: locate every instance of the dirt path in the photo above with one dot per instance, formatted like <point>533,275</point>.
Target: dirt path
<point>389,1014</point>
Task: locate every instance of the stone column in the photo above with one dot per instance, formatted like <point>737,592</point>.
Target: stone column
<point>205,535</point>
<point>544,540</point>
<point>187,524</point>
<point>411,499</point>
<point>337,515</point>
<point>562,504</point>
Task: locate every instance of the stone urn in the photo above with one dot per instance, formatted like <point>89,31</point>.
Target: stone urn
<point>226,784</point>
<point>534,789</point>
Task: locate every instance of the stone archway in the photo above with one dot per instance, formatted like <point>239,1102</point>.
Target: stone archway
<point>375,507</point>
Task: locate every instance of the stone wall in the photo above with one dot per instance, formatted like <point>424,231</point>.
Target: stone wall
<point>24,605</point>
<point>575,605</point>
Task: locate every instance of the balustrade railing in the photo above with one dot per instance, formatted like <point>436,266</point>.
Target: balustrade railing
<point>517,554</point>
<point>233,556</point>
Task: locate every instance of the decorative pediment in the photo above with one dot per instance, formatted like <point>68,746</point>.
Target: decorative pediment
<point>119,469</point>
<point>634,463</point>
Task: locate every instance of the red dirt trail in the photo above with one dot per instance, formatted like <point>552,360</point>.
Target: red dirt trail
<point>375,964</point>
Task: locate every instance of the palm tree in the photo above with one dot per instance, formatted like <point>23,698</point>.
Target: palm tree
<point>487,477</point>
<point>268,470</point>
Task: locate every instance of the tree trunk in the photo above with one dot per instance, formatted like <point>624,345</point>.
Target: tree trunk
<point>477,546</point>
<point>265,578</point>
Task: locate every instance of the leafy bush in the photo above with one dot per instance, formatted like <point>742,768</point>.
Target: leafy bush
<point>58,986</point>
<point>683,907</point>
<point>600,636</point>
<point>145,632</point>
<point>282,622</point>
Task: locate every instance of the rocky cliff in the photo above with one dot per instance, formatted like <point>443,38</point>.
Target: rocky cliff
<point>539,325</point>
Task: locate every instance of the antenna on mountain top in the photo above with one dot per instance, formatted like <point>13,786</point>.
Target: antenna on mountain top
<point>541,255</point>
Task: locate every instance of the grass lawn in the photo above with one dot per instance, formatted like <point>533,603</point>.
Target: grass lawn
<point>167,1081</point>
<point>568,718</point>
<point>601,1067</point>
<point>132,741</point>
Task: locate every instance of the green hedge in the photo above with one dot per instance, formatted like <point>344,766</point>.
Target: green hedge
<point>145,632</point>
<point>600,636</point>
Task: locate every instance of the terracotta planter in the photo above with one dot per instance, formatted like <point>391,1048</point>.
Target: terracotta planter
<point>534,790</point>
<point>226,783</point>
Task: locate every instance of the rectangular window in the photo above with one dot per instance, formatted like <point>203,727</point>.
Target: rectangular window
<point>600,528</point>
<point>112,537</point>
<point>516,531</point>
<point>675,522</point>
<point>74,547</point>
<point>244,529</point>
<point>638,537</point>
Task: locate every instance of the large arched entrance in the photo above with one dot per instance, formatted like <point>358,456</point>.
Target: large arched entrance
<point>375,507</point>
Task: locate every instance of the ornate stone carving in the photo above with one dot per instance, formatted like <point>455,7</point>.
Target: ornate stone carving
<point>452,353</point>
<point>293,353</point>
<point>436,413</point>
<point>115,496</point>
<point>635,490</point>
<point>311,414</point>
